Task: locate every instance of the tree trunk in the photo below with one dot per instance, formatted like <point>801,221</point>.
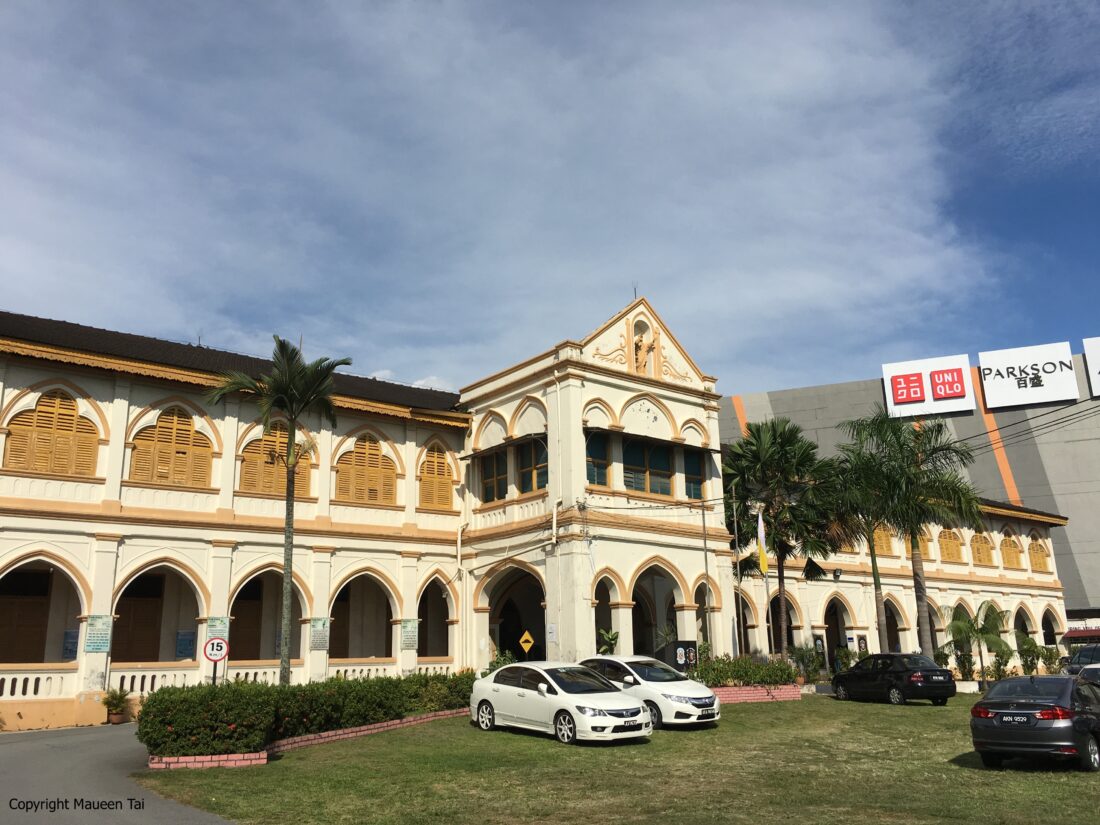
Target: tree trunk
<point>880,604</point>
<point>924,627</point>
<point>288,559</point>
<point>981,667</point>
<point>782,595</point>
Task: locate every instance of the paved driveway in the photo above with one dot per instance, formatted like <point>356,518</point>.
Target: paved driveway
<point>92,764</point>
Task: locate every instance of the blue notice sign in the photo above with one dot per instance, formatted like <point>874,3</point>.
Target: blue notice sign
<point>68,645</point>
<point>185,644</point>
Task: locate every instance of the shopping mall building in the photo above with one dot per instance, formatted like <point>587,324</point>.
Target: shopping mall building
<point>574,491</point>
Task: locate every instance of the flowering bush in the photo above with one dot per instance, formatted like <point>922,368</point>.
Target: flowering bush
<point>726,670</point>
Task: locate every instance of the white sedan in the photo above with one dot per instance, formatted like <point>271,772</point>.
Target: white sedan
<point>672,698</point>
<point>568,700</point>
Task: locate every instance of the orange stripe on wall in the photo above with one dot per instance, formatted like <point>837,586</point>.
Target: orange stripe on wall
<point>995,441</point>
<point>739,411</point>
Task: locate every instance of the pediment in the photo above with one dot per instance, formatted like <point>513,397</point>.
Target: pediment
<point>636,341</point>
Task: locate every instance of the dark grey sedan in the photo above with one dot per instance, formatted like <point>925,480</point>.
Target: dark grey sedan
<point>1055,716</point>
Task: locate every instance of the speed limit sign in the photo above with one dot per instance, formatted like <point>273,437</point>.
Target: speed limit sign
<point>215,649</point>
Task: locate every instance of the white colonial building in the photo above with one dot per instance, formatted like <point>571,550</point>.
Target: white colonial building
<point>579,489</point>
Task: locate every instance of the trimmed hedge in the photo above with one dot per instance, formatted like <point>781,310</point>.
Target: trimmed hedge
<point>743,671</point>
<point>245,717</point>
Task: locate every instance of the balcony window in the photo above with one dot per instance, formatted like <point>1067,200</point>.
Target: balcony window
<point>647,467</point>
<point>531,464</point>
<point>598,451</point>
<point>493,468</point>
<point>693,474</point>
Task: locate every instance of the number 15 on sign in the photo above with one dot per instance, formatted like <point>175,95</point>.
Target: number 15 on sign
<point>215,650</point>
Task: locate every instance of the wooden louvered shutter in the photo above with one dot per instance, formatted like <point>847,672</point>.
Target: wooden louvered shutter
<point>344,472</point>
<point>86,449</point>
<point>17,447</point>
<point>387,487</point>
<point>435,480</point>
<point>141,460</point>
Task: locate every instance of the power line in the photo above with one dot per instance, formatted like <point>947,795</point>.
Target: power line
<point>1042,429</point>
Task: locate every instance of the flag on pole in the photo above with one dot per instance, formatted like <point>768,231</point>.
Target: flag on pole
<point>761,545</point>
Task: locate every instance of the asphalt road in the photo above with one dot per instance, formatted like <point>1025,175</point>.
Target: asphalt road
<point>92,764</point>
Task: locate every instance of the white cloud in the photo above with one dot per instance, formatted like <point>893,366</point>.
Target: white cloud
<point>441,190</point>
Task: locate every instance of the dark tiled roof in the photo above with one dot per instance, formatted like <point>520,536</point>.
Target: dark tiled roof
<point>71,336</point>
<point>1024,511</point>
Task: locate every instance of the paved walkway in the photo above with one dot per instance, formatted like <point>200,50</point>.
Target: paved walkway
<point>92,764</point>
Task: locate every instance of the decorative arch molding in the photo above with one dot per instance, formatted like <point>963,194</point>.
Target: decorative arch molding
<point>697,425</point>
<point>673,430</point>
<point>612,416</point>
<point>26,398</point>
<point>255,431</point>
<point>936,611</point>
<point>716,591</point>
<point>961,602</point>
<point>1056,620</point>
<point>799,616</point>
<point>149,415</point>
<point>381,578</point>
<point>620,592</point>
<point>304,593</point>
<point>489,417</point>
<point>526,403</point>
<point>83,589</point>
<point>452,456</point>
<point>389,449</point>
<point>660,562</point>
<point>190,575</point>
<point>481,596</point>
<point>747,600</point>
<point>903,623</point>
<point>439,575</point>
<point>1033,626</point>
<point>842,599</point>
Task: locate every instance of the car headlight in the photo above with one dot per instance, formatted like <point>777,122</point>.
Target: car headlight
<point>683,700</point>
<point>587,711</point>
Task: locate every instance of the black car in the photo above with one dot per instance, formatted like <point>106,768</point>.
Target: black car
<point>1055,716</point>
<point>1082,657</point>
<point>895,678</point>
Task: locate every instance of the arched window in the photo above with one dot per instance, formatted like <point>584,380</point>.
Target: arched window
<point>172,452</point>
<point>1038,556</point>
<point>436,480</point>
<point>982,548</point>
<point>262,467</point>
<point>950,546</point>
<point>925,547</point>
<point>884,541</point>
<point>365,476</point>
<point>1011,555</point>
<point>52,438</point>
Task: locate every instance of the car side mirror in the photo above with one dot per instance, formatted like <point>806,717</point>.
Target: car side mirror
<point>629,680</point>
<point>542,688</point>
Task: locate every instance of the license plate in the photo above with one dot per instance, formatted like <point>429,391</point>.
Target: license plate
<point>632,723</point>
<point>707,712</point>
<point>1014,719</point>
<point>939,678</point>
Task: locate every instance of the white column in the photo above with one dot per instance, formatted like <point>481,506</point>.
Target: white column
<point>406,659</point>
<point>92,674</point>
<point>117,453</point>
<point>320,582</point>
<point>227,471</point>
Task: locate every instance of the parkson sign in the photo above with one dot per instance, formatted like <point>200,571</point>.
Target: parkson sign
<point>1028,375</point>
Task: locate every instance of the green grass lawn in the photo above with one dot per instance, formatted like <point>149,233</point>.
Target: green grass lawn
<point>812,761</point>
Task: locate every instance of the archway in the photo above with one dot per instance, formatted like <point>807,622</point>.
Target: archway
<point>893,625</point>
<point>517,606</point>
<point>1021,624</point>
<point>156,618</point>
<point>39,615</point>
<point>773,624</point>
<point>936,627</point>
<point>703,610</point>
<point>1050,629</point>
<point>837,622</point>
<point>654,611</point>
<point>602,610</point>
<point>745,621</point>
<point>256,630</point>
<point>362,620</point>
<point>432,613</point>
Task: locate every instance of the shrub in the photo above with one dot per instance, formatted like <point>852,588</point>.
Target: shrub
<point>116,700</point>
<point>502,658</point>
<point>1051,659</point>
<point>965,663</point>
<point>726,670</point>
<point>941,657</point>
<point>845,658</point>
<point>999,669</point>
<point>807,660</point>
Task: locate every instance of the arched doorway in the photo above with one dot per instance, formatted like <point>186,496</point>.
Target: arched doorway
<point>744,623</point>
<point>156,618</point>
<point>603,610</point>
<point>432,613</point>
<point>1050,629</point>
<point>773,624</point>
<point>837,622</point>
<point>893,625</point>
<point>936,627</point>
<point>1021,624</point>
<point>517,606</point>
<point>39,615</point>
<point>256,629</point>
<point>362,621</point>
<point>654,613</point>
<point>703,613</point>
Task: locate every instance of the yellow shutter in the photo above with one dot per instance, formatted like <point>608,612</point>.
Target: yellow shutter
<point>435,479</point>
<point>950,546</point>
<point>172,452</point>
<point>366,476</point>
<point>17,447</point>
<point>884,545</point>
<point>53,438</point>
<point>1037,555</point>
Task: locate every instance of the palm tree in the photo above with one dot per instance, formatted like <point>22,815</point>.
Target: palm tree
<point>919,465</point>
<point>984,628</point>
<point>292,390</point>
<point>775,470</point>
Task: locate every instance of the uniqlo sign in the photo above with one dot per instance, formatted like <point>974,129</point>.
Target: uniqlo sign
<point>929,386</point>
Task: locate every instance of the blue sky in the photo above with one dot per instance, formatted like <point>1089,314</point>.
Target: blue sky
<point>438,190</point>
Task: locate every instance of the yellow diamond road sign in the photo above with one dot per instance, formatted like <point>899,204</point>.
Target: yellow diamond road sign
<point>526,641</point>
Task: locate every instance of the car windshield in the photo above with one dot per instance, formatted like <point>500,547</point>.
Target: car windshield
<point>1086,655</point>
<point>580,680</point>
<point>650,670</point>
<point>1039,690</point>
<point>917,662</point>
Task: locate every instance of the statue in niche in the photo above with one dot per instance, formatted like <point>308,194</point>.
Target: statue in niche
<point>643,348</point>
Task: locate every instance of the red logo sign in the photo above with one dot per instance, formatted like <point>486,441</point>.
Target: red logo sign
<point>947,384</point>
<point>907,388</point>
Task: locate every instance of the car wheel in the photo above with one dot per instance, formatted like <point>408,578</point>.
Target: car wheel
<point>895,696</point>
<point>992,760</point>
<point>486,718</point>
<point>939,702</point>
<point>841,693</point>
<point>1090,755</point>
<point>655,715</point>
<point>565,728</point>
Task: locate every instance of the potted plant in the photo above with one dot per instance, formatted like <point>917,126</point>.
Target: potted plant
<point>117,702</point>
<point>609,639</point>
